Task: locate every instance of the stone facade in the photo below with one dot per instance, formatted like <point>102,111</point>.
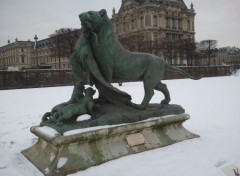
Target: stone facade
<point>145,22</point>
<point>221,56</point>
<point>44,56</point>
<point>170,19</point>
<point>228,56</point>
<point>16,55</point>
<point>149,22</point>
<point>33,54</point>
<point>23,55</point>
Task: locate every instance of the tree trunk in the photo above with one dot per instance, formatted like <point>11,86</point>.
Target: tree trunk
<point>59,62</point>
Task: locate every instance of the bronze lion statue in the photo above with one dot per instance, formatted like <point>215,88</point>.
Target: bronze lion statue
<point>115,62</point>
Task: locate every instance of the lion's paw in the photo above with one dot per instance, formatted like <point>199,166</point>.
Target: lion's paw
<point>165,101</point>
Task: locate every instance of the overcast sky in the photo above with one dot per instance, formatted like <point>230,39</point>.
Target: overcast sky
<point>22,19</point>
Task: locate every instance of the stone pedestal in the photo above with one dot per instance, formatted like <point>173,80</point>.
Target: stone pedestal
<point>60,155</point>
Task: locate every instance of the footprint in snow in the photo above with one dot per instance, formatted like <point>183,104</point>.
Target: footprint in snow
<point>12,142</point>
<point>24,128</point>
<point>3,134</point>
<point>220,163</point>
<point>2,145</point>
<point>3,167</point>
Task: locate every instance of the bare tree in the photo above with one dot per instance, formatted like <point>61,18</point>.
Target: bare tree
<point>208,47</point>
<point>172,50</point>
<point>168,51</point>
<point>57,48</point>
<point>126,42</point>
<point>188,47</point>
<point>63,42</point>
<point>133,43</point>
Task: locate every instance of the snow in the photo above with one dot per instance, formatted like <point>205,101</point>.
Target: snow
<point>73,132</point>
<point>61,162</point>
<point>229,170</point>
<point>48,131</point>
<point>77,131</point>
<point>213,104</point>
<point>237,73</point>
<point>52,156</point>
<point>46,171</point>
<point>83,117</point>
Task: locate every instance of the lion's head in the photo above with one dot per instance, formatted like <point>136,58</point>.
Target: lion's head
<point>93,20</point>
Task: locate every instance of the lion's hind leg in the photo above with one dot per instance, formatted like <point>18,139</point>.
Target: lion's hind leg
<point>148,88</point>
<point>163,88</point>
<point>147,97</point>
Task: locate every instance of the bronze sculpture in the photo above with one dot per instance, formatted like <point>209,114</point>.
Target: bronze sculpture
<point>100,56</point>
<point>115,62</point>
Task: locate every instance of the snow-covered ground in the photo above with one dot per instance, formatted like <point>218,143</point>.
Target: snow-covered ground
<point>213,103</point>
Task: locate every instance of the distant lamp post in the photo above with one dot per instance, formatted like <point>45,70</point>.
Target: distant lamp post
<point>35,46</point>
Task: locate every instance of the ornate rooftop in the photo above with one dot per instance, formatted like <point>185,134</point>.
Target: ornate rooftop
<point>183,5</point>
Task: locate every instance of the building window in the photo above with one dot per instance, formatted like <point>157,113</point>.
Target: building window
<point>174,37</point>
<point>174,23</point>
<point>168,36</point>
<point>132,24</point>
<point>167,23</point>
<point>188,24</point>
<point>155,36</point>
<point>180,36</point>
<point>23,59</point>
<point>142,22</point>
<point>142,37</point>
<point>179,24</point>
<point>154,21</point>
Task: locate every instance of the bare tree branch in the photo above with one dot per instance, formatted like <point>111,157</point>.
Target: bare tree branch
<point>63,42</point>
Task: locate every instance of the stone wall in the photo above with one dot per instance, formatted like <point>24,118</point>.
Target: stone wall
<point>50,78</point>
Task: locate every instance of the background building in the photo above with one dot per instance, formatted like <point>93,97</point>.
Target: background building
<point>53,52</point>
<point>149,25</point>
<point>16,55</point>
<point>162,27</point>
<point>228,56</point>
<point>44,56</point>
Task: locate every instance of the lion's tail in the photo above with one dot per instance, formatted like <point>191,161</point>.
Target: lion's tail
<point>178,70</point>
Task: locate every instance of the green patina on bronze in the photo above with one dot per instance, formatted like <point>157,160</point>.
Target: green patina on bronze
<point>110,114</point>
<point>100,56</point>
<point>115,62</point>
<point>79,104</point>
